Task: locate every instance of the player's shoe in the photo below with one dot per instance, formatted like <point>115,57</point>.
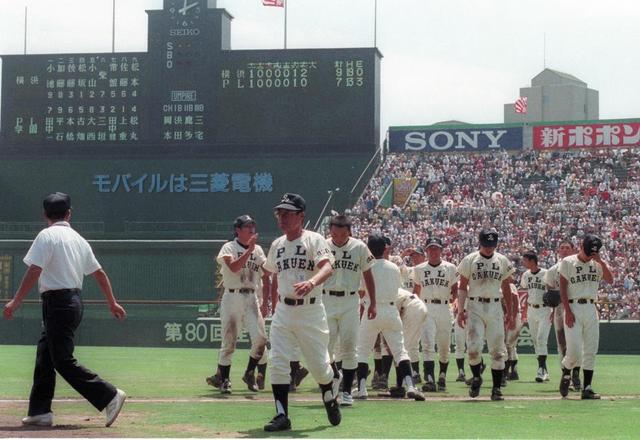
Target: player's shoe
<point>250,380</point>
<point>347,399</point>
<point>362,390</point>
<point>215,380</point>
<point>416,379</point>
<point>474,390</point>
<point>429,386</point>
<point>333,411</point>
<point>375,380</point>
<point>514,375</point>
<point>45,419</point>
<point>565,381</point>
<point>260,381</point>
<point>545,375</point>
<point>225,388</point>
<point>589,394</point>
<point>496,394</point>
<point>279,423</point>
<point>384,382</point>
<point>397,392</point>
<point>335,385</point>
<point>442,382</point>
<point>113,408</point>
<point>540,375</point>
<point>300,375</point>
<point>413,393</point>
<point>461,376</point>
<point>575,380</point>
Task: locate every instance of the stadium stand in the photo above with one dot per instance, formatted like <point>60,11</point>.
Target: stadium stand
<point>533,198</point>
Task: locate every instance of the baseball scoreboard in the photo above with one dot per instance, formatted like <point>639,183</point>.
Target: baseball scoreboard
<point>190,89</point>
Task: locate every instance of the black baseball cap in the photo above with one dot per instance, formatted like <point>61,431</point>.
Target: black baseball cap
<point>488,238</point>
<point>387,240</point>
<point>418,250</point>
<point>292,202</point>
<point>433,241</point>
<point>56,204</point>
<point>243,220</point>
<point>376,244</point>
<point>340,220</point>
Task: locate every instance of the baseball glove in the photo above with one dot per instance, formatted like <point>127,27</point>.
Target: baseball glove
<point>551,298</point>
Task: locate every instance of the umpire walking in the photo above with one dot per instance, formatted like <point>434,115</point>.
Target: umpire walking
<point>58,260</point>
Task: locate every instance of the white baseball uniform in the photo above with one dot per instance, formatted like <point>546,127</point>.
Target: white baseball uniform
<point>583,338</point>
<point>485,317</point>
<point>413,314</point>
<point>341,299</point>
<point>299,321</point>
<point>538,315</point>
<point>239,306</point>
<point>386,276</point>
<point>435,290</point>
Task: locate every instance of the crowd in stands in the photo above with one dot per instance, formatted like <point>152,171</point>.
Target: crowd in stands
<point>534,199</point>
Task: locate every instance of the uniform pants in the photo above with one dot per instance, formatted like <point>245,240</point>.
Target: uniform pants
<point>414,317</point>
<point>389,324</point>
<point>238,310</point>
<point>437,330</point>
<point>558,324</point>
<point>61,316</point>
<point>539,324</point>
<point>302,328</point>
<point>511,339</point>
<point>583,338</point>
<point>343,317</point>
<point>460,335</point>
<point>486,320</point>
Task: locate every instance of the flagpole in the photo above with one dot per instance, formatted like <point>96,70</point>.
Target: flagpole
<point>113,28</point>
<point>375,23</point>
<point>25,30</point>
<point>286,2</point>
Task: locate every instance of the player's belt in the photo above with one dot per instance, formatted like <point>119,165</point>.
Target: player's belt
<point>536,306</point>
<point>581,301</point>
<point>436,301</point>
<point>298,302</point>
<point>483,300</point>
<point>338,292</point>
<point>241,290</point>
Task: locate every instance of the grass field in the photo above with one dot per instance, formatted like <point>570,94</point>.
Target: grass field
<point>168,397</point>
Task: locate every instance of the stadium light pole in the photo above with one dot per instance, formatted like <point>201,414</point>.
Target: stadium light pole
<point>331,192</point>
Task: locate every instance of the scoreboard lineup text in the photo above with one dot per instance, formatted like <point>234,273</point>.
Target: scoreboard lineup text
<point>190,88</point>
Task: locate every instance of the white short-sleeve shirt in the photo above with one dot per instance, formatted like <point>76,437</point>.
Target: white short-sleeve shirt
<point>249,275</point>
<point>64,256</point>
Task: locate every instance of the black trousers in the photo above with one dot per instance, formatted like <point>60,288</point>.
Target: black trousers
<point>61,316</point>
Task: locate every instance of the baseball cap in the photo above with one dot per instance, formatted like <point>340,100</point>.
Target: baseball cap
<point>243,220</point>
<point>488,238</point>
<point>433,241</point>
<point>387,240</point>
<point>418,250</point>
<point>292,202</point>
<point>591,244</point>
<point>56,204</point>
<point>340,220</point>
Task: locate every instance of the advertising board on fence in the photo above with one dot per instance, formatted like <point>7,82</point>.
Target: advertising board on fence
<point>613,134</point>
<point>469,138</point>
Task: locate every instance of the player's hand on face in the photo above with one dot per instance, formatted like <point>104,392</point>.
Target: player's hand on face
<point>252,241</point>
<point>118,311</point>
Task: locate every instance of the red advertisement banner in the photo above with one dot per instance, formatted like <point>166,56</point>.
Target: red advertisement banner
<point>610,135</point>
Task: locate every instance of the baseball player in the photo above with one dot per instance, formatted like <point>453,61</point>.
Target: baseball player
<point>241,261</point>
<point>340,296</point>
<point>484,275</point>
<point>302,261</point>
<point>580,277</point>
<point>511,338</point>
<point>552,280</point>
<point>460,336</point>
<point>387,320</point>
<point>436,283</point>
<point>538,315</point>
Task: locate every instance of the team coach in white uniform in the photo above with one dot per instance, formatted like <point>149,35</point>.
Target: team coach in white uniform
<point>58,259</point>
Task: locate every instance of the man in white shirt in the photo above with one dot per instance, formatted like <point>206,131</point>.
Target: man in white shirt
<point>58,260</point>
<point>241,261</point>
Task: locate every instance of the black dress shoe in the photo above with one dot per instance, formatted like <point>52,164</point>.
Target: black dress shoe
<point>333,412</point>
<point>278,423</point>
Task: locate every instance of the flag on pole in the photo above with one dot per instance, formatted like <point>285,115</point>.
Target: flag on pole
<point>277,3</point>
<point>520,105</point>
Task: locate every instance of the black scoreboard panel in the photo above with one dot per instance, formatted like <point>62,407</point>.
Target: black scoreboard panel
<point>292,96</point>
<point>74,99</point>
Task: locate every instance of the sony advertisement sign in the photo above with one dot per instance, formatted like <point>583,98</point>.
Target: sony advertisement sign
<point>434,140</point>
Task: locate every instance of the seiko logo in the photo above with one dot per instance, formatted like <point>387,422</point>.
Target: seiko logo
<point>184,32</point>
<point>445,140</point>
